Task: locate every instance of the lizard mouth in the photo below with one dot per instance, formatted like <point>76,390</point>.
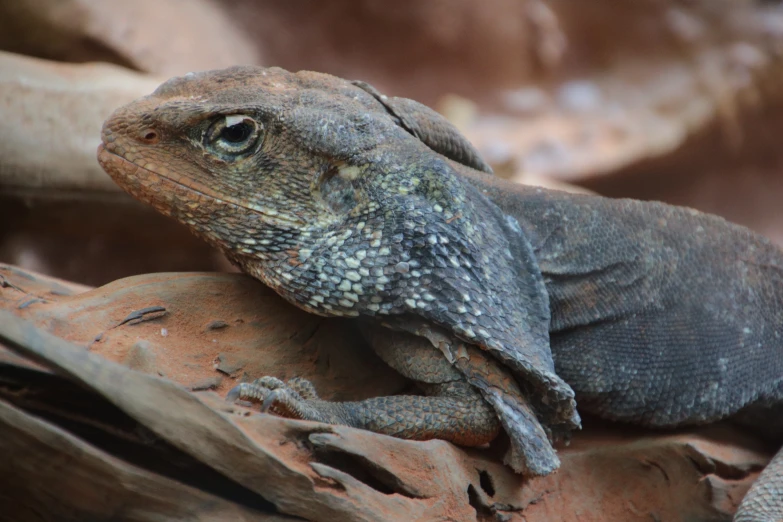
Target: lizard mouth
<point>123,170</point>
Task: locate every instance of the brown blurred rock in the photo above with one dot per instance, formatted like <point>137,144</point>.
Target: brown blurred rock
<point>312,471</point>
<point>614,105</point>
<point>95,238</point>
<point>730,168</point>
<point>52,118</point>
<point>168,37</point>
<point>59,211</point>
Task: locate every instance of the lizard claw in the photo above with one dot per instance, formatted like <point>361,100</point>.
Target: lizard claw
<point>270,400</point>
<point>246,391</point>
<point>234,393</point>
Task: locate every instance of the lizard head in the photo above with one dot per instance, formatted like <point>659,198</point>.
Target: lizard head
<point>256,141</point>
<point>287,152</point>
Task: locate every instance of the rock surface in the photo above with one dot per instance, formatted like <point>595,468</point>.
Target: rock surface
<point>137,446</point>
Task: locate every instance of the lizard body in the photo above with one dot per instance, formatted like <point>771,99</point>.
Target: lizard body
<point>491,296</point>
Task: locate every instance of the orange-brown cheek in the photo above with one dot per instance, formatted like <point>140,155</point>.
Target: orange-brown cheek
<point>143,184</point>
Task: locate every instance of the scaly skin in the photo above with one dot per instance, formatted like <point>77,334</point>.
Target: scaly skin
<point>351,204</point>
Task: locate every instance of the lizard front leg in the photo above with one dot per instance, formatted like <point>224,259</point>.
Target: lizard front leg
<point>452,409</point>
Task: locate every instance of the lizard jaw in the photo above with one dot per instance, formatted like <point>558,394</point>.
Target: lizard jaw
<point>144,182</point>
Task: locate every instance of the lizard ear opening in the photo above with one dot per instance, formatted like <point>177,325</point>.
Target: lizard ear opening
<point>336,188</point>
<point>431,128</point>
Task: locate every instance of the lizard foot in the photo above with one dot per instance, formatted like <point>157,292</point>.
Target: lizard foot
<point>287,399</point>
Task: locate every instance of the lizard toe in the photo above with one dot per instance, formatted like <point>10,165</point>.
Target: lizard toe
<point>247,392</point>
<point>284,402</point>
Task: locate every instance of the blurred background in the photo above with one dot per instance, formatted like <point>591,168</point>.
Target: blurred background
<point>672,100</point>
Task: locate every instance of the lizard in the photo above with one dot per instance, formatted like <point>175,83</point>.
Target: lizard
<point>508,305</point>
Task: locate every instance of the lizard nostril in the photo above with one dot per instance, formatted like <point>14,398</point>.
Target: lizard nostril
<point>148,136</point>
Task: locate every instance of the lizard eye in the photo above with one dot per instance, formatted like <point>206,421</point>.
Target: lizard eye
<point>233,134</point>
